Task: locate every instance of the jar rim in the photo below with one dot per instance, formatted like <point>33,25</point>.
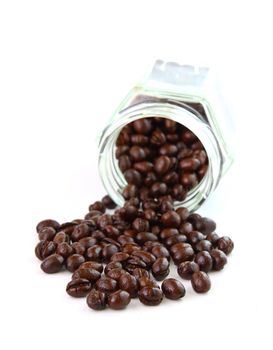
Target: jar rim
<point>111,175</point>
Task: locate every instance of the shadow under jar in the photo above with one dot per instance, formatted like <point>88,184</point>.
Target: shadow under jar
<point>179,102</point>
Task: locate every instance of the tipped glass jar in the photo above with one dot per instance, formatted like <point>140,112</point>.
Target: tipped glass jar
<point>187,95</point>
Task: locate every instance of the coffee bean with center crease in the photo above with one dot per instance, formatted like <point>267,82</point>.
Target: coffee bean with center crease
<point>142,126</point>
<point>78,288</point>
<point>74,261</point>
<point>133,177</point>
<point>200,282</point>
<point>186,269</point>
<point>219,259</point>
<point>44,249</point>
<point>92,265</point>
<point>160,268</point>
<point>106,285</point>
<point>204,261</point>
<point>52,263</point>
<point>173,289</point>
<point>64,249</point>
<point>47,234</point>
<point>47,223</point>
<point>162,165</point>
<point>150,296</point>
<point>89,274</point>
<point>115,274</point>
<point>225,244</point>
<point>171,219</point>
<point>96,300</point>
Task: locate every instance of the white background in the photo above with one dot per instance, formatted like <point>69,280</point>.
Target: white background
<point>64,67</point>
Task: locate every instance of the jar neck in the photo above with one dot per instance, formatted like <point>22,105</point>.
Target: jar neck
<point>111,175</point>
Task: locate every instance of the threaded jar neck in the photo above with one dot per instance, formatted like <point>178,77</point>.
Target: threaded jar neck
<point>111,175</point>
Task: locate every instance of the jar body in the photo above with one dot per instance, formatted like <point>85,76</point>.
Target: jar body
<point>187,95</point>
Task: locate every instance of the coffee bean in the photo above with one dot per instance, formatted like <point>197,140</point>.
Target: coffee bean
<point>74,261</point>
<point>188,180</point>
<point>128,283</point>
<point>219,259</point>
<point>168,150</point>
<point>204,261</point>
<point>92,265</point>
<point>137,153</point>
<point>200,282</point>
<point>204,244</point>
<point>118,300</point>
<point>145,281</point>
<point>186,269</point>
<point>208,226</point>
<point>189,164</point>
<point>61,237</point>
<point>108,202</point>
<point>183,213</point>
<point>162,165</point>
<point>143,237</point>
<point>78,248</point>
<point>78,288</point>
<point>150,296</point>
<point>225,244</point>
<point>138,139</point>
<point>170,219</point>
<point>213,238</point>
<point>48,223</point>
<point>88,242</point>
<point>106,285</point>
<point>147,257</point>
<point>47,234</point>
<point>173,289</point>
<point>140,225</point>
<point>44,249</point>
<point>142,126</point>
<point>144,167</point>
<point>160,251</point>
<point>124,162</point>
<point>52,263</point>
<point>139,272</point>
<point>158,138</point>
<point>98,205</point>
<point>64,249</point>
<point>160,268</point>
<point>133,177</point>
<point>115,274</point>
<point>194,237</point>
<point>96,300</point>
<point>89,274</point>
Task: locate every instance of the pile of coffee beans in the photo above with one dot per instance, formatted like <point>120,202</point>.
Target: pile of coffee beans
<point>116,254</point>
<point>160,157</point>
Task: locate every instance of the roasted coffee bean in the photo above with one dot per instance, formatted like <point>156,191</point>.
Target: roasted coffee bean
<point>173,289</point>
<point>96,300</point>
<point>98,205</point>
<point>184,254</point>
<point>194,237</point>
<point>200,282</point>
<point>44,249</point>
<point>168,149</point>
<point>108,251</point>
<point>188,180</point>
<point>128,283</point>
<point>48,223</point>
<point>74,261</point>
<point>119,257</point>
<point>147,257</point>
<point>169,242</point>
<point>92,265</point>
<point>183,213</point>
<point>89,274</point>
<point>189,164</point>
<point>94,253</point>
<point>150,178</point>
<point>140,225</point>
<point>204,261</point>
<point>108,202</point>
<point>188,137</point>
<point>80,231</point>
<point>130,191</point>
<point>47,234</point>
<point>139,272</point>
<point>186,269</point>
<point>138,139</point>
<point>52,263</point>
<point>208,226</point>
<point>185,228</point>
<point>168,232</point>
<point>115,274</point>
<point>171,178</point>
<point>170,219</point>
<point>159,251</point>
<point>88,242</point>
<point>213,238</point>
<point>120,150</point>
<point>219,259</point>
<point>64,249</point>
<point>147,282</point>
<point>112,265</point>
<point>137,153</point>
<point>158,138</point>
<point>118,300</point>
<point>160,268</point>
<point>78,248</point>
<point>158,189</point>
<point>225,244</point>
<point>143,237</point>
<point>204,244</point>
<point>124,162</point>
<point>143,167</point>
<point>142,126</point>
<point>133,177</point>
<point>178,192</point>
<point>150,215</point>
<point>162,165</point>
<point>106,285</point>
<point>61,237</point>
<point>104,220</point>
<point>150,296</point>
<point>130,247</point>
<point>78,288</point>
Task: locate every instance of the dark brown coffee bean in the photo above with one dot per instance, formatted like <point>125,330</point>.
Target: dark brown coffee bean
<point>173,289</point>
<point>92,265</point>
<point>52,263</point>
<point>88,242</point>
<point>128,283</point>
<point>225,244</point>
<point>120,150</point>
<point>159,189</point>
<point>143,237</point>
<point>170,125</point>
<point>189,164</point>
<point>74,261</point>
<point>186,269</point>
<point>169,242</point>
<point>133,177</point>
<point>194,237</point>
<point>183,213</point>
<point>47,234</point>
<point>200,282</point>
<point>48,223</point>
<point>147,282</point>
<point>94,253</point>
<point>139,272</point>
<point>115,274</point>
<point>185,228</point>
<point>44,249</point>
<point>204,261</point>
<point>159,251</point>
<point>96,300</point>
<point>118,300</point>
<point>130,247</point>
<point>122,239</point>
<point>130,191</point>
<point>106,285</point>
<point>98,205</point>
<point>208,226</point>
<point>124,162</point>
<point>142,126</point>
<point>171,178</point>
<point>170,219</point>
<point>93,215</point>
<point>119,257</point>
<point>138,139</point>
<point>203,245</point>
<point>219,259</point>
<point>89,274</point>
<point>185,254</point>
<point>188,180</point>
<point>188,137</point>
<point>137,154</point>
<point>78,248</point>
<point>104,220</point>
<point>108,251</point>
<point>168,232</point>
<point>150,215</point>
<point>158,138</point>
<point>64,249</point>
<point>61,237</point>
<point>147,257</point>
<point>144,167</point>
<point>162,165</point>
<point>160,268</point>
<point>108,202</point>
<point>213,238</point>
<point>150,178</point>
<point>168,150</point>
<point>150,296</point>
<point>78,288</point>
<point>112,265</point>
<point>140,225</point>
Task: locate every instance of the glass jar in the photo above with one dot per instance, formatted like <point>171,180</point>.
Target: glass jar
<point>187,95</point>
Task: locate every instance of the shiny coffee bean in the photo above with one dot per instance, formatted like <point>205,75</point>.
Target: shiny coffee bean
<point>145,281</point>
<point>203,245</point>
<point>96,300</point>
<point>48,223</point>
<point>139,272</point>
<point>186,269</point>
<point>225,244</point>
<point>64,249</point>
<point>128,283</point>
<point>94,253</point>
<point>150,296</point>
<point>47,234</point>
<point>92,265</point>
<point>219,259</point>
<point>106,285</point>
<point>74,261</point>
<point>208,226</point>
<point>44,249</point>
<point>170,219</point>
<point>162,165</point>
<point>108,202</point>
<point>142,126</point>
<point>200,282</point>
<point>52,263</point>
<point>61,237</point>
<point>160,268</point>
<point>89,274</point>
<point>173,289</point>
<point>204,261</point>
<point>118,300</point>
<point>78,248</point>
<point>78,288</point>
